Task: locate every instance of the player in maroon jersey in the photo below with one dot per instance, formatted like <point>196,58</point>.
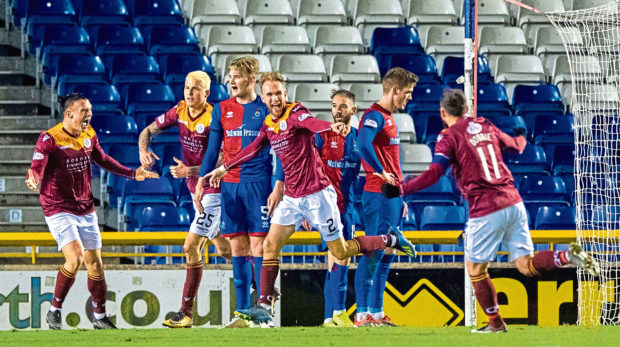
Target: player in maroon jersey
<point>473,148</point>
<point>61,173</point>
<point>290,129</point>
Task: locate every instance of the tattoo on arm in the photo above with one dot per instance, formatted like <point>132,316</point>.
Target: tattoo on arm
<point>147,135</point>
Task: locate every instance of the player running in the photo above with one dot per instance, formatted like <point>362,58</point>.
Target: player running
<point>247,198</point>
<point>290,128</point>
<point>193,118</point>
<point>61,165</point>
<point>341,160</point>
<point>472,147</point>
<point>379,144</point>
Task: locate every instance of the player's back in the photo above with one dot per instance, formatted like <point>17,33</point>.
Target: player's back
<point>474,148</point>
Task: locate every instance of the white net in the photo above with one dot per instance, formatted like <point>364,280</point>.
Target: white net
<point>592,41</point>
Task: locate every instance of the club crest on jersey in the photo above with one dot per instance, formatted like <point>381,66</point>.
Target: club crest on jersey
<point>303,117</point>
<point>389,122</point>
<point>37,156</point>
<point>257,115</point>
<point>45,137</point>
<point>334,144</point>
<point>439,137</point>
<point>283,125</point>
<point>87,143</point>
<point>474,128</point>
<point>229,114</point>
<point>161,119</point>
<point>200,128</point>
<point>394,140</point>
<point>370,123</point>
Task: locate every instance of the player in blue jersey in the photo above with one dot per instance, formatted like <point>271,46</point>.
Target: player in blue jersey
<point>247,198</point>
<point>342,162</point>
<point>378,141</point>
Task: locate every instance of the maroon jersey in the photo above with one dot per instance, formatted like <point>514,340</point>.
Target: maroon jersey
<point>386,145</point>
<point>473,148</point>
<point>292,138</point>
<point>62,164</point>
<point>194,136</point>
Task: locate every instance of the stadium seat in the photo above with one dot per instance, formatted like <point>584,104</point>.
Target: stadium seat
<point>400,40</point>
<point>604,97</point>
<point>409,221</point>
<point>132,214</point>
<point>443,218</point>
<point>366,94</point>
<point>175,67</point>
<point>41,14</point>
<point>319,12</point>
<point>532,160</point>
<point>212,12</point>
<point>284,39</point>
<point>493,100</point>
<point>453,68</point>
<point>300,67</point>
<point>517,68</point>
<point>58,41</point>
<point>502,40</point>
<point>490,12</point>
<point>149,97</point>
<point>427,126</point>
<point>563,161</point>
<point>337,40</point>
<point>421,65</point>
<point>526,18</point>
<point>180,40</point>
<point>115,129</point>
<point>543,188</point>
<point>406,130</point>
<point>553,129</point>
<point>444,40</point>
<point>104,12</point>
<point>440,192</point>
<point>221,39</point>
<point>547,40</point>
<point>218,92</point>
<point>425,97</point>
<point>163,218</point>
<point>372,12</point>
<point>431,12</point>
<point>353,68</point>
<point>264,64</point>
<point>591,69</point>
<point>103,97</point>
<point>555,218</point>
<point>167,154</point>
<point>130,68</point>
<point>77,69</point>
<point>154,190</point>
<point>115,39</point>
<point>507,124</point>
<point>268,12</point>
<point>415,158</point>
<point>315,96</point>
<point>542,98</point>
<point>155,12</point>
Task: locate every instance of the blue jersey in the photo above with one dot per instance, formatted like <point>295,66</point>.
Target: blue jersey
<point>341,159</point>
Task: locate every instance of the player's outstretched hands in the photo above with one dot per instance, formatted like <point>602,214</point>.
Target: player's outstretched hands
<point>31,181</point>
<point>338,128</point>
<point>215,176</point>
<point>142,173</point>
<point>386,177</point>
<point>180,170</point>
<point>391,191</point>
<point>147,159</point>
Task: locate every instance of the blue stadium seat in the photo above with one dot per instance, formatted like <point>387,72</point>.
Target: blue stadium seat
<point>422,65</point>
<point>116,39</point>
<point>563,160</point>
<point>103,97</point>
<point>453,68</point>
<point>167,155</point>
<point>115,129</point>
<point>441,192</point>
<point>175,67</point>
<point>163,218</point>
<point>532,160</point>
<point>492,99</point>
<point>180,40</point>
<point>133,213</point>
<point>155,12</point>
<point>19,9</point>
<point>129,68</point>
<point>144,119</point>
<point>77,69</point>
<point>543,188</point>
<point>443,218</point>
<point>103,12</point>
<point>114,188</point>
<point>152,190</point>
<point>387,41</point>
<point>537,98</point>
<point>507,124</point>
<point>555,218</point>
<point>148,97</point>
<point>554,129</point>
<point>46,13</point>
<point>129,158</point>
<point>409,222</point>
<point>218,93</point>
<point>58,41</point>
<point>425,97</point>
<point>420,123</point>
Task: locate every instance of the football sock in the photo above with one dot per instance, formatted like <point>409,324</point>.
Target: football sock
<point>377,315</point>
<point>328,320</point>
<point>258,265</point>
<point>375,296</point>
<point>242,278</point>
<point>268,276</point>
<point>64,281</point>
<point>98,289</point>
<point>546,261</point>
<point>487,298</point>
<point>327,294</point>
<point>366,244</point>
<point>192,282</point>
<point>339,286</point>
<point>360,315</point>
<point>363,281</point>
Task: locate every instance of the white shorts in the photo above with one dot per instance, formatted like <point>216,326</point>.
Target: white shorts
<point>66,227</point>
<point>508,227</point>
<point>207,224</point>
<point>320,209</point>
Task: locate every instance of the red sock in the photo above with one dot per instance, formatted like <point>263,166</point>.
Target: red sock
<point>268,276</point>
<point>192,282</point>
<point>487,298</point>
<point>366,244</point>
<point>64,281</point>
<point>97,288</point>
<point>546,261</point>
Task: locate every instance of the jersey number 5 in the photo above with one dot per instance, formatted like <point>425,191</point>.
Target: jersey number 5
<point>484,159</point>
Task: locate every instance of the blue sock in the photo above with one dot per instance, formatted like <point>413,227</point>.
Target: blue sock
<point>375,298</point>
<point>363,280</point>
<point>339,285</point>
<point>242,278</point>
<point>327,294</point>
<point>258,265</point>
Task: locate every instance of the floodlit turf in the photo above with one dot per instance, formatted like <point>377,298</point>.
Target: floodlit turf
<point>315,337</point>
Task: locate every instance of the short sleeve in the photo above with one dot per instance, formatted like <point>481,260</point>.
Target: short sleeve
<point>168,119</point>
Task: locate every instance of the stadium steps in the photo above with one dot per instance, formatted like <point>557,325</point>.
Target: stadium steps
<point>22,218</point>
<point>13,192</point>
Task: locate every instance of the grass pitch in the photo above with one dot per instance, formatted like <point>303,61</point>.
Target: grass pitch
<point>314,337</point>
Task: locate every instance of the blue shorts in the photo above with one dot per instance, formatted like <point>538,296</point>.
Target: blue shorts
<point>348,229</point>
<point>244,208</point>
<point>381,213</point>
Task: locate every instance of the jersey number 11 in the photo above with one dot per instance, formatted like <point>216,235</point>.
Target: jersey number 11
<point>484,159</point>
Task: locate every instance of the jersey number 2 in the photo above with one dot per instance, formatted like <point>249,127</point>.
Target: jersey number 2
<point>484,159</point>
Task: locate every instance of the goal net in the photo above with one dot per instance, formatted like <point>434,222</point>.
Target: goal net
<point>591,38</point>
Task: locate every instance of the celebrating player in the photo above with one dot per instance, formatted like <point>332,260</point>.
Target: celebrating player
<point>341,161</point>
<point>290,128</point>
<point>61,173</point>
<point>246,200</point>
<point>193,118</point>
<point>472,147</point>
<point>378,141</point>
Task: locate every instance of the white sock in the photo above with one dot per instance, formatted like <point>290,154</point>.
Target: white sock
<point>54,309</point>
<point>337,312</point>
<point>327,320</point>
<point>394,241</point>
<point>378,315</point>
<point>359,316</point>
<point>99,315</point>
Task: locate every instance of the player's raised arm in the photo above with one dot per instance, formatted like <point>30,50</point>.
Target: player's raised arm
<point>147,158</point>
<point>110,164</point>
<point>510,143</point>
<point>40,157</point>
